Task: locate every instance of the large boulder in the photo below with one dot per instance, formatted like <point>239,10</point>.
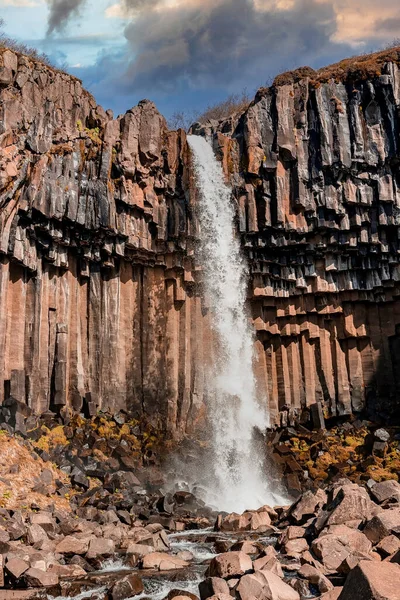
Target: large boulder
<point>163,562</point>
<point>100,547</point>
<point>127,587</point>
<point>308,505</point>
<point>371,580</point>
<point>39,578</point>
<point>335,544</point>
<point>386,490</point>
<point>259,521</point>
<point>264,585</point>
<point>351,503</point>
<point>230,564</point>
<point>212,586</point>
<point>382,525</point>
<point>312,575</point>
<point>73,545</point>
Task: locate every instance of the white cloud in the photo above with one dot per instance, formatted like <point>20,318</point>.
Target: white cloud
<point>20,3</point>
<point>115,11</point>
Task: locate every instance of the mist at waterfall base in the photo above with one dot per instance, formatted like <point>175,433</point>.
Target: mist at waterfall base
<point>235,477</point>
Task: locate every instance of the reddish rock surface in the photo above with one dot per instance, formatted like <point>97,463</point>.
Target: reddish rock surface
<point>100,300</point>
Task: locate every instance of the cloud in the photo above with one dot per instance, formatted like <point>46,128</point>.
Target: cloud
<point>21,3</point>
<point>61,11</point>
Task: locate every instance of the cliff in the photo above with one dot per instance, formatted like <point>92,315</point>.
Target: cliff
<point>100,296</point>
<point>314,162</point>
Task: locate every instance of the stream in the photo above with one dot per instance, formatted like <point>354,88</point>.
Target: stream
<point>157,585</point>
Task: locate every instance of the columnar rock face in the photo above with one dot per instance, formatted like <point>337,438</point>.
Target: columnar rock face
<point>314,162</point>
<point>100,302</point>
<point>97,302</point>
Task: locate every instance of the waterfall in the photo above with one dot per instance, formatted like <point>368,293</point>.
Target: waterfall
<point>237,477</point>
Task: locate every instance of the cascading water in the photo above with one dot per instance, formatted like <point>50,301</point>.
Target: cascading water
<point>237,479</point>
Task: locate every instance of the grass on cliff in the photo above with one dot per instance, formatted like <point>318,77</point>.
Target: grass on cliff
<point>355,68</point>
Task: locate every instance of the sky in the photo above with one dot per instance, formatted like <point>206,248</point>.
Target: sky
<point>187,54</point>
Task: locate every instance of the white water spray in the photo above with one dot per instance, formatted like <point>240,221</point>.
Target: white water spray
<point>238,480</point>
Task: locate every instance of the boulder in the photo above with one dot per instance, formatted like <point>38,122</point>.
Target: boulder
<point>100,547</point>
<point>268,563</point>
<point>386,490</point>
<point>67,571</point>
<point>308,505</point>
<point>212,586</point>
<point>36,534</point>
<point>333,546</point>
<point>296,547</point>
<point>163,562</point>
<point>382,525</point>
<point>314,576</point>
<point>38,578</point>
<point>389,545</point>
<point>45,520</point>
<point>352,502</point>
<point>16,567</point>
<point>371,580</point>
<point>73,545</point>
<point>127,587</point>
<point>139,550</point>
<point>264,585</point>
<point>230,564</point>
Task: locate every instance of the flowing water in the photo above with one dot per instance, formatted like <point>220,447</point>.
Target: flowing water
<point>236,477</point>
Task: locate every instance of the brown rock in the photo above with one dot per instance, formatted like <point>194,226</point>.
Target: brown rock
<point>39,578</point>
<point>100,547</point>
<point>372,581</point>
<point>382,525</point>
<point>163,562</point>
<point>16,567</point>
<point>230,564</point>
<point>308,505</point>
<point>333,546</point>
<point>73,545</point>
<point>388,545</point>
<point>386,490</point>
<point>127,587</point>
<point>351,503</point>
<point>315,577</point>
<point>265,586</point>
<point>212,586</point>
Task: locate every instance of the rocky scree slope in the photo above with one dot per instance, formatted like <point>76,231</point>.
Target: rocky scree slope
<point>100,295</point>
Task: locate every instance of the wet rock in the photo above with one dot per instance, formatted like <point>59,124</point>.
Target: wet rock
<point>230,564</point>
<point>127,587</point>
<point>372,581</point>
<point>163,562</point>
<point>175,594</point>
<point>259,521</point>
<point>212,586</point>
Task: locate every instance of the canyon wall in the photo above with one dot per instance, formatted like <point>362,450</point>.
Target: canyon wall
<point>100,294</point>
<point>314,163</point>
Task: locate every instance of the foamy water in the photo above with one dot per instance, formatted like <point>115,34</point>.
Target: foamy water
<point>236,479</point>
